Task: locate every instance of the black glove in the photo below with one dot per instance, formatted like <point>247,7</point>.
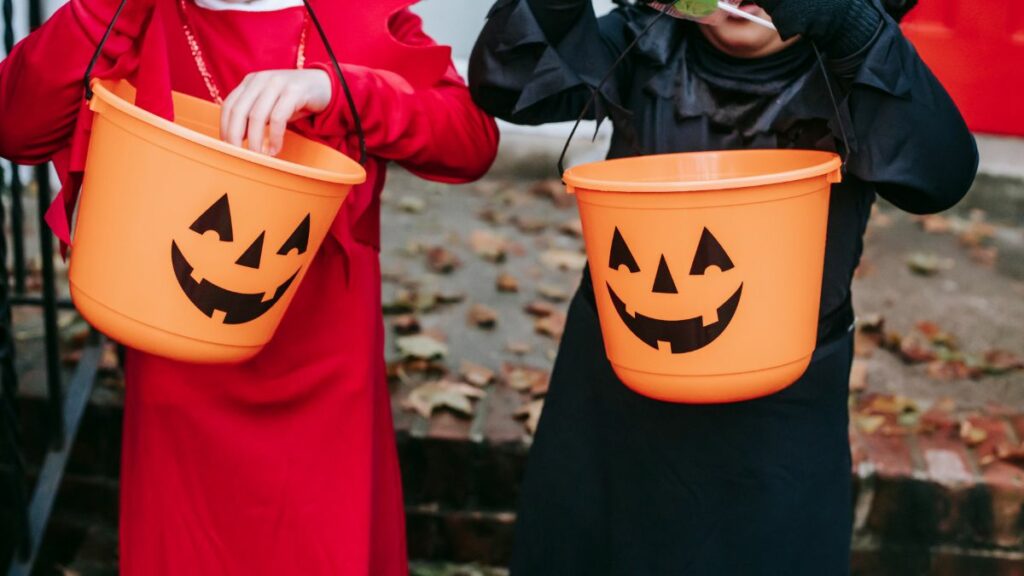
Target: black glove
<point>839,27</point>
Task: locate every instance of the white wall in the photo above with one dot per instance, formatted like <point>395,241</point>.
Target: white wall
<point>457,22</point>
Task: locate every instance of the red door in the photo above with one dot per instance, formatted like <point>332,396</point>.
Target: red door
<point>976,48</point>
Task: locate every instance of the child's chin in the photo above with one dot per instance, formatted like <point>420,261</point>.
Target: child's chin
<point>744,38</point>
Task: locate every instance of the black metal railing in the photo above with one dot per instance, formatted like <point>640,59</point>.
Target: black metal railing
<point>65,403</point>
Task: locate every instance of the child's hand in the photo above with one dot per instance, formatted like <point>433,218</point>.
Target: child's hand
<point>265,102</point>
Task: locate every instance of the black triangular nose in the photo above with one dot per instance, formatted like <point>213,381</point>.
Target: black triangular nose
<point>663,282</point>
<point>252,255</point>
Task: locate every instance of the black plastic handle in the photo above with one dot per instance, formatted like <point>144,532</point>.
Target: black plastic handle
<point>356,120</point>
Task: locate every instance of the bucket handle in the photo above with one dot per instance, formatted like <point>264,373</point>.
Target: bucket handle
<point>668,7</point>
<point>356,120</point>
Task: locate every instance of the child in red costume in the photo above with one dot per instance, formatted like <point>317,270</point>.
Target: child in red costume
<point>285,464</point>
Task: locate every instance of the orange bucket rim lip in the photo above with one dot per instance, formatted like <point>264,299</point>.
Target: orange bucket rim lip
<point>100,90</point>
<point>831,163</point>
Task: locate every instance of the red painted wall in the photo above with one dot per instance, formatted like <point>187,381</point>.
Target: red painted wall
<point>976,47</point>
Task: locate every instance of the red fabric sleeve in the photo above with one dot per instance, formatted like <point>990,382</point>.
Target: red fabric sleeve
<point>41,80</point>
<point>437,133</point>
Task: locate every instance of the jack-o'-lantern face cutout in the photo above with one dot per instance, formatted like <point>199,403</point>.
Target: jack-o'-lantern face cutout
<point>215,225</point>
<point>683,334</point>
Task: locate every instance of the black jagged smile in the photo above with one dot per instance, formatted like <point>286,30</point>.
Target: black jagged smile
<point>238,307</point>
<point>682,335</point>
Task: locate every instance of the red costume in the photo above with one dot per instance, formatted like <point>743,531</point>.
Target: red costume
<point>285,464</point>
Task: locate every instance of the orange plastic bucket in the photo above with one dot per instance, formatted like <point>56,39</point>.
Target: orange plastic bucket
<point>707,267</point>
<point>190,248</point>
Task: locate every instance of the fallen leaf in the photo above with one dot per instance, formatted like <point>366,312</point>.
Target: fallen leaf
<point>431,396</point>
<point>928,264</point>
<point>408,300</point>
<point>564,260</point>
<point>971,434</point>
<point>1001,362</point>
<point>421,346</point>
<point>935,223</point>
<point>936,335</point>
<point>488,245</point>
<point>554,191</point>
<point>492,216</point>
<point>894,405</point>
<point>951,370</point>
<point>518,347</point>
<point>476,374</point>
<point>529,225</point>
<point>531,411</point>
<point>552,292</point>
<point>915,349</point>
<point>411,204</point>
<point>406,324</point>
<point>449,296</point>
<point>572,227</point>
<point>507,283</point>
<point>442,260</point>
<point>540,309</point>
<point>482,316</point>
<point>869,424</point>
<point>525,378</point>
<point>552,325</point>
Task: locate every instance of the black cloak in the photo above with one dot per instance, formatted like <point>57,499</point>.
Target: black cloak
<point>620,484</point>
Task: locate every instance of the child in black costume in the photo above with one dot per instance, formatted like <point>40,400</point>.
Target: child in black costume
<point>620,484</point>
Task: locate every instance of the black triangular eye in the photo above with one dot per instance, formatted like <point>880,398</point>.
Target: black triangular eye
<point>709,253</point>
<point>620,255</point>
<point>216,218</point>
<point>298,240</point>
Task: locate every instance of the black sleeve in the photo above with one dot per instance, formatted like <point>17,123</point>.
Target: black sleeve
<point>908,137</point>
<point>517,74</point>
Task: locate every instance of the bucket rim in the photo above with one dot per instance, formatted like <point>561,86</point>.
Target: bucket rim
<point>356,175</point>
<point>829,164</point>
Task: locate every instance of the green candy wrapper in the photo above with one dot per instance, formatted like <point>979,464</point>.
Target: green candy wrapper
<point>696,8</point>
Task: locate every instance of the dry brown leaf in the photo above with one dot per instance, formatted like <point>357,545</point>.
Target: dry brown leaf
<point>564,260</point>
<point>524,378</point>
<point>518,347</point>
<point>554,191</point>
<point>928,264</point>
<point>553,293</point>
<point>422,346</point>
<point>441,260</point>
<point>506,283</point>
<point>1002,361</point>
<point>915,349</point>
<point>934,223</point>
<point>869,423</point>
<point>476,374</point>
<point>431,396</point>
<point>951,370</point>
<point>540,309</point>
<point>483,316</point>
<point>552,325</point>
<point>488,245</point>
<point>406,324</point>
<point>985,255</point>
<point>412,204</point>
<point>528,224</point>
<point>971,434</point>
<point>572,227</point>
